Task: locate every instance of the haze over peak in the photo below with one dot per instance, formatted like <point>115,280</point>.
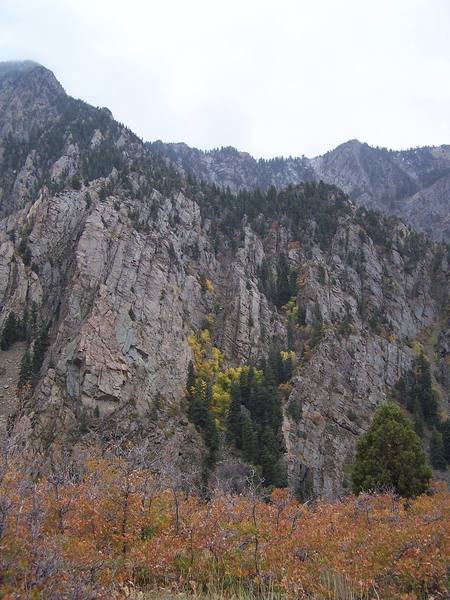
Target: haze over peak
<point>273,79</point>
<point>17,66</point>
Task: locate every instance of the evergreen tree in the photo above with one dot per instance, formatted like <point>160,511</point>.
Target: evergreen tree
<point>249,442</point>
<point>234,419</point>
<point>268,455</point>
<point>10,332</point>
<point>199,414</point>
<point>246,383</point>
<point>197,409</point>
<point>288,365</point>
<point>417,415</point>
<point>283,286</point>
<point>210,430</point>
<point>445,430</point>
<point>415,391</point>
<point>390,455</point>
<point>424,391</point>
<point>301,319</point>
<point>26,369</point>
<point>24,324</point>
<point>39,350</point>
<point>255,417</point>
<point>27,256</point>
<point>33,319</point>
<point>276,365</point>
<point>437,451</point>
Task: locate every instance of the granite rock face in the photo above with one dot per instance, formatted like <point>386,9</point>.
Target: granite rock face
<point>115,255</point>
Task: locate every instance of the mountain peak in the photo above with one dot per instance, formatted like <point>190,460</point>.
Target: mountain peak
<point>29,93</point>
<point>27,70</point>
<point>353,144</point>
<point>9,67</point>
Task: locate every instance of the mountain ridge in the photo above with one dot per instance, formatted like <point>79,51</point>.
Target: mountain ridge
<point>387,180</point>
<point>122,272</point>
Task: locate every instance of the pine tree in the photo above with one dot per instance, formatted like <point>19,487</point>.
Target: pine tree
<point>246,382</point>
<point>10,332</point>
<point>33,319</point>
<point>437,451</point>
<point>248,439</point>
<point>255,417</point>
<point>390,455</point>
<point>283,287</point>
<point>197,409</point>
<point>301,319</point>
<point>418,418</point>
<point>24,324</point>
<point>27,256</point>
<point>199,414</point>
<point>26,370</point>
<point>445,430</point>
<point>276,365</point>
<point>424,391</point>
<point>234,419</point>
<point>39,350</point>
<point>268,456</point>
<point>288,365</point>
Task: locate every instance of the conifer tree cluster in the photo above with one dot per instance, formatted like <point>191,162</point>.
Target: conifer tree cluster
<point>199,396</point>
<point>254,423</point>
<point>253,419</point>
<point>278,284</point>
<point>322,203</point>
<point>415,391</point>
<point>422,397</point>
<point>26,329</point>
<point>255,416</point>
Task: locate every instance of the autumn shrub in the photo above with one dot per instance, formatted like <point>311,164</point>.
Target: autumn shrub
<point>110,523</point>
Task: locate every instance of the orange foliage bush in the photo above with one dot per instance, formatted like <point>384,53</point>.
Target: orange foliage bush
<point>87,534</point>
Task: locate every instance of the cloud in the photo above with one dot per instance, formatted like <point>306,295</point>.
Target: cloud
<point>287,77</point>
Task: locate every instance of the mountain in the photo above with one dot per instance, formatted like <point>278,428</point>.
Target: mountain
<point>411,184</point>
<point>223,328</point>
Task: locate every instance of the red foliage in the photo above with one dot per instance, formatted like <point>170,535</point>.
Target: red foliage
<point>87,536</point>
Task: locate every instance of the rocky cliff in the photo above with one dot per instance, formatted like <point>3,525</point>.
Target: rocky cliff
<point>115,265</point>
<point>411,184</point>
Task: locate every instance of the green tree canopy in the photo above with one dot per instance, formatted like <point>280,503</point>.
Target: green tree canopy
<point>390,455</point>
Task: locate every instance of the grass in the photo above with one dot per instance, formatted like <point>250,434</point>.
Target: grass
<point>336,585</point>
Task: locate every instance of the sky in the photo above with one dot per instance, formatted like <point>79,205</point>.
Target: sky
<point>285,77</point>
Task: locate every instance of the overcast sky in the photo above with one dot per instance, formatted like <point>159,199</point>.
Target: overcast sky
<point>286,77</point>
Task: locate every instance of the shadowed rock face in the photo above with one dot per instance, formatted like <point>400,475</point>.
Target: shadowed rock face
<point>28,98</point>
<point>110,248</point>
<point>412,184</point>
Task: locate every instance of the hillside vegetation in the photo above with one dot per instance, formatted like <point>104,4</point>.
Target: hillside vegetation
<point>108,526</point>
